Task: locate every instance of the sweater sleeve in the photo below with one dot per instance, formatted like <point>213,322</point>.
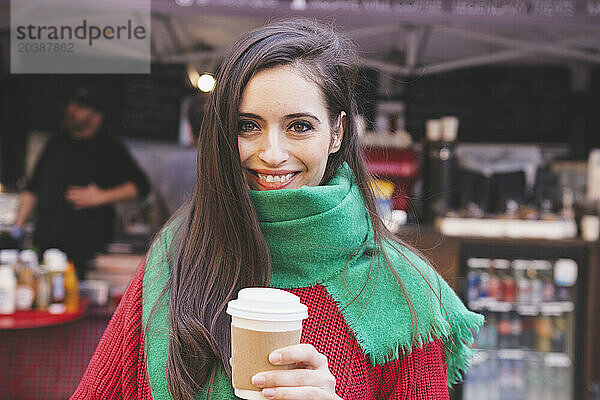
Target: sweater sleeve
<point>117,369</point>
<point>420,375</point>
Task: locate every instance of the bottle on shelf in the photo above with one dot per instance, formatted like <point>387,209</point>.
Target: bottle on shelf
<point>523,287</point>
<point>528,336</point>
<point>509,291</point>
<point>537,287</point>
<point>484,280</point>
<point>504,331</point>
<point>473,286</point>
<point>548,288</point>
<point>516,326</point>
<point>495,286</point>
<point>492,332</point>
<point>560,334</point>
<point>545,333</point>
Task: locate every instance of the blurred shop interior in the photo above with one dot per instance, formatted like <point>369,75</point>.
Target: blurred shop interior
<point>481,123</point>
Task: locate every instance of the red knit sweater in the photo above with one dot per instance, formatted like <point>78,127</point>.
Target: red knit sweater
<point>118,370</point>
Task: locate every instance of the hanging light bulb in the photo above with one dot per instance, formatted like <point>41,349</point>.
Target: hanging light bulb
<point>206,82</point>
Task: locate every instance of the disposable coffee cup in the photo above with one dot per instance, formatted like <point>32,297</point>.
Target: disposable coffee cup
<point>262,320</point>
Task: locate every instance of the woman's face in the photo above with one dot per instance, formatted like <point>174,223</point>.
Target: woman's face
<point>285,135</point>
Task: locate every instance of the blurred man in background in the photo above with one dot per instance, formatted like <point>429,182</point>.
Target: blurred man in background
<point>80,174</point>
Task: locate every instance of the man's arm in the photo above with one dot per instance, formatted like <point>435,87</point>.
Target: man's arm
<point>126,191</point>
<point>93,196</point>
<point>26,205</point>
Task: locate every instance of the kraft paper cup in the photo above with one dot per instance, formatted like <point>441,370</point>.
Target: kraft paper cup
<point>262,320</point>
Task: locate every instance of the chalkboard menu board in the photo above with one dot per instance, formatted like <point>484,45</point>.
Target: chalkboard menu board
<point>140,106</point>
<point>150,103</point>
<point>495,104</point>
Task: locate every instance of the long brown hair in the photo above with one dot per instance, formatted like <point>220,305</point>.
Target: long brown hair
<point>219,249</point>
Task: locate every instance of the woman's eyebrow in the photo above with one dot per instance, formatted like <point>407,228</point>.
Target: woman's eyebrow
<point>250,115</point>
<point>300,115</point>
<point>288,116</point>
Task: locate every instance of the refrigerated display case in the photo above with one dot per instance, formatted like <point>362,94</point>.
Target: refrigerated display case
<point>532,296</point>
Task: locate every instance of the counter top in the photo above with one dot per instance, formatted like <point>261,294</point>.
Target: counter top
<point>39,319</point>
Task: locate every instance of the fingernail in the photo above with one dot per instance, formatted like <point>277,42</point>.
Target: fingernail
<point>258,380</point>
<point>274,358</point>
<point>268,392</point>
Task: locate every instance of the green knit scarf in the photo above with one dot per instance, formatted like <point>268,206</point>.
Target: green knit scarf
<point>322,235</point>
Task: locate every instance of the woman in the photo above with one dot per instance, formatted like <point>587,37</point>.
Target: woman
<point>382,323</point>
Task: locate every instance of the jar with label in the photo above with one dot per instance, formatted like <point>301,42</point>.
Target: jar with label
<point>26,284</point>
<point>56,263</point>
<point>43,294</point>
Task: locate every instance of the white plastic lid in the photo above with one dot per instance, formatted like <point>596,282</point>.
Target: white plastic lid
<point>9,256</point>
<point>28,256</point>
<point>55,260</point>
<point>267,304</point>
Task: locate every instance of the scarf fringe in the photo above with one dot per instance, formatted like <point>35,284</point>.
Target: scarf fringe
<point>457,344</point>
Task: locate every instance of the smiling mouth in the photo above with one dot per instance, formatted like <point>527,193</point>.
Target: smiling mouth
<point>274,181</point>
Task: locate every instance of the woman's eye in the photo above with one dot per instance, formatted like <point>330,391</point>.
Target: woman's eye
<point>301,127</point>
<point>247,126</point>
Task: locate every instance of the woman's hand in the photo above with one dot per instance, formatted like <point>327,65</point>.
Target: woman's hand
<point>311,379</point>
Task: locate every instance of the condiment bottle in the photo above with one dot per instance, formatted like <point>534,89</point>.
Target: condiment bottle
<point>71,289</point>
<point>9,257</point>
<point>56,263</point>
<point>8,281</point>
<point>25,270</point>
<point>43,294</point>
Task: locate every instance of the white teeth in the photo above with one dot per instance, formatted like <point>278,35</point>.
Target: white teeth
<point>275,178</point>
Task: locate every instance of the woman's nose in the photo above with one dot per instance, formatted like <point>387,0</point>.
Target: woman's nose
<point>273,148</point>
